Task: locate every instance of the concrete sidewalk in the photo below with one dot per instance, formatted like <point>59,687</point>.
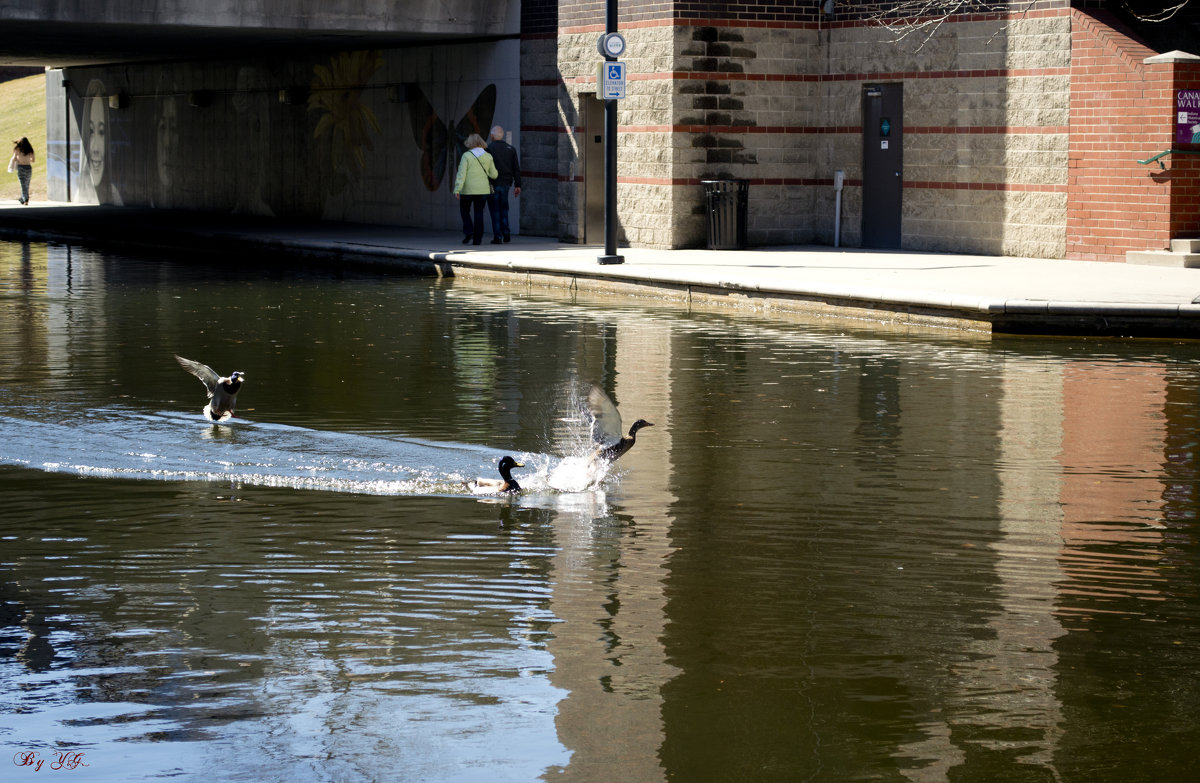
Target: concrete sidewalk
<point>976,293</point>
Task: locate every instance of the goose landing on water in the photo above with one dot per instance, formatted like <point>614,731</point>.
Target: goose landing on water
<point>606,427</point>
<point>222,392</point>
<point>505,484</point>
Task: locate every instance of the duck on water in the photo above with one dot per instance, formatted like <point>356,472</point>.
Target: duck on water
<point>222,390</point>
<point>506,484</point>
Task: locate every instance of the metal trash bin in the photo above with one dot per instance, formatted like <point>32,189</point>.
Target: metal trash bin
<point>726,200</point>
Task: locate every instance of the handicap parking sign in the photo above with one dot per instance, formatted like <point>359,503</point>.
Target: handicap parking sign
<point>612,80</point>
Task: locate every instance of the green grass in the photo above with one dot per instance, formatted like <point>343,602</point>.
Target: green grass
<point>23,109</point>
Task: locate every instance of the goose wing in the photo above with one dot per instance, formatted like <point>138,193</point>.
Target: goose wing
<point>206,374</point>
<point>606,421</point>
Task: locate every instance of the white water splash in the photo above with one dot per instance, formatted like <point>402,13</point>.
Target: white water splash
<point>173,446</point>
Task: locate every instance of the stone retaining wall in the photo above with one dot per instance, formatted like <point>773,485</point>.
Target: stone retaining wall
<point>986,129</point>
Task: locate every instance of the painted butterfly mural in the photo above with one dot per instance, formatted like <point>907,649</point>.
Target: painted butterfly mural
<point>443,143</point>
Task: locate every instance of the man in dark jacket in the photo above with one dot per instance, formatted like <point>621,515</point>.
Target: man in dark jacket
<point>509,170</point>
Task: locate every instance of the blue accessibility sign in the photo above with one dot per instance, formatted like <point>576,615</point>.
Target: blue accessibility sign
<point>612,80</point>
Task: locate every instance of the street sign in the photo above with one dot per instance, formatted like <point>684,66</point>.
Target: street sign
<point>612,80</point>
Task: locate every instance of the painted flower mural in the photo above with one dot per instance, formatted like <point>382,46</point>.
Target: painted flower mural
<point>346,123</point>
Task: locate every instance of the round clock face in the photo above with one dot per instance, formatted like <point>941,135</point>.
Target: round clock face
<point>614,44</point>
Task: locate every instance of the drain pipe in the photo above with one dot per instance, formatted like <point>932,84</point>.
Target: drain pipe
<point>839,177</point>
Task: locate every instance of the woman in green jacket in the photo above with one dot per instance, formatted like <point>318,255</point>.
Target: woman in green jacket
<point>472,187</point>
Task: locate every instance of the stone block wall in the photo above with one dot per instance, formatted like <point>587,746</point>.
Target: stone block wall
<point>648,150</point>
<point>776,98</point>
<point>749,109</point>
<point>986,128</point>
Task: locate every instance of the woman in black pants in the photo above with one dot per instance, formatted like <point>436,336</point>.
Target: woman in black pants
<point>472,186</point>
<point>22,163</point>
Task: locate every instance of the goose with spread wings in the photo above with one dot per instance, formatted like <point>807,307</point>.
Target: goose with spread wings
<point>222,390</point>
<point>606,426</point>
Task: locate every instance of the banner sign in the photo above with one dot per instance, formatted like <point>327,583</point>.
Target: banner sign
<point>1187,119</point>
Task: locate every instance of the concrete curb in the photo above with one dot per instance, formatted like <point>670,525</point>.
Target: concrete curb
<point>957,293</point>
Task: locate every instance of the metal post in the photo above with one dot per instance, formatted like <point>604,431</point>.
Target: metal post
<point>610,157</point>
<point>66,88</point>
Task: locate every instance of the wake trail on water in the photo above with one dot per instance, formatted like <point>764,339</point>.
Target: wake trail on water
<point>173,446</point>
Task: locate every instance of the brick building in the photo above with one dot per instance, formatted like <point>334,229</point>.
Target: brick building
<point>1000,133</point>
<point>1015,134</point>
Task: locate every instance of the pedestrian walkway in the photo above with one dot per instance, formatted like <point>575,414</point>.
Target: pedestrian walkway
<point>963,292</point>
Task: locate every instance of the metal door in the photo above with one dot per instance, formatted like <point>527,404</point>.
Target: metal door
<point>593,169</point>
<point>883,164</point>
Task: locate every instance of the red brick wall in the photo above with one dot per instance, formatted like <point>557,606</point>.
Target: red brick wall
<point>576,13</point>
<point>764,11</point>
<point>1122,111</point>
<point>1185,170</point>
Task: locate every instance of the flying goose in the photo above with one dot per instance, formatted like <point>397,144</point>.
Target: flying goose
<point>606,426</point>
<point>222,392</point>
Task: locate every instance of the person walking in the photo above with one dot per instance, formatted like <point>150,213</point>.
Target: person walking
<point>22,162</point>
<point>473,186</point>
<point>508,168</point>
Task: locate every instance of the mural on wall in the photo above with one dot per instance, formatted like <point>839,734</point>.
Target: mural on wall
<point>439,150</point>
<point>95,179</point>
<point>365,144</point>
<point>345,122</point>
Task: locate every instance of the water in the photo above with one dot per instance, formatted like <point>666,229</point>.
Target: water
<point>836,556</point>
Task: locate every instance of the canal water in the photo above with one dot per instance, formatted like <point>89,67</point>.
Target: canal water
<point>837,555</point>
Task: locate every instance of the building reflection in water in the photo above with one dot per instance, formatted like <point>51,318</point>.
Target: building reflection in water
<point>938,542</point>
<point>1114,434</point>
<point>608,586</point>
<point>1005,686</point>
<point>1079,443</point>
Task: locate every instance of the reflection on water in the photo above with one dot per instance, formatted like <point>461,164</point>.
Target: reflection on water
<point>835,557</point>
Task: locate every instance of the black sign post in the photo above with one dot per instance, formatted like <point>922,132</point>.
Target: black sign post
<point>610,156</point>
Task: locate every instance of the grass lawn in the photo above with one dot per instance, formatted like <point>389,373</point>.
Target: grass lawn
<point>23,113</point>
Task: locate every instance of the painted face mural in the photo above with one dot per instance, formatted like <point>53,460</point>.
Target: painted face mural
<point>95,131</point>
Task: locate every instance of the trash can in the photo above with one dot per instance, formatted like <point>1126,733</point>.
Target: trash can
<point>725,200</point>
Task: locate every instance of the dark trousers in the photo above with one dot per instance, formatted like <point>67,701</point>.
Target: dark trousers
<point>498,205</point>
<point>467,205</point>
<point>24,175</point>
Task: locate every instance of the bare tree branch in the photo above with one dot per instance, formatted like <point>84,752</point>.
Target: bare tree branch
<point>925,17</point>
<point>1161,15</point>
<point>905,18</point>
